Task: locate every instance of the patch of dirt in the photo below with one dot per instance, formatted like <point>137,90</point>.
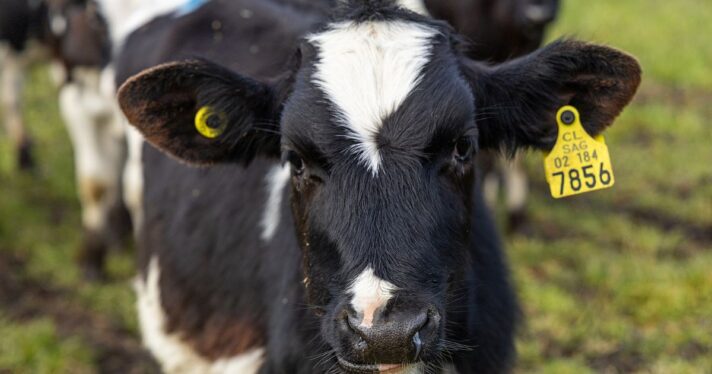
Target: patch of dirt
<point>676,96</point>
<point>117,350</point>
<point>619,361</point>
<point>694,232</point>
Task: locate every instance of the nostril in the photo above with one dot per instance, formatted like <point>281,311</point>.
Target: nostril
<point>350,327</point>
<point>352,322</point>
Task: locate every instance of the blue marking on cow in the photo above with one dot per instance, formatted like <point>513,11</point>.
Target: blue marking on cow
<point>190,6</point>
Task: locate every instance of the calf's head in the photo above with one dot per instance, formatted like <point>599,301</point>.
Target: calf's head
<point>379,124</point>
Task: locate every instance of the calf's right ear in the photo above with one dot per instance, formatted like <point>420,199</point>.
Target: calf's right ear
<point>202,113</point>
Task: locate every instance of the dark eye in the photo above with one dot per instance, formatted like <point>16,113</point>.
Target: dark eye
<point>297,163</point>
<point>463,149</point>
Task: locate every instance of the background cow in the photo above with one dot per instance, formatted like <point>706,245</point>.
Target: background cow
<point>74,36</point>
<point>82,46</point>
<point>376,122</point>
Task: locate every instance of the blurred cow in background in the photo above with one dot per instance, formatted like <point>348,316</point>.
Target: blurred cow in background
<point>20,22</point>
<point>95,127</point>
<point>89,33</point>
<point>74,36</point>
<point>499,30</point>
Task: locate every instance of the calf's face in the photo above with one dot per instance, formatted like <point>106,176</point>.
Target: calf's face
<point>379,124</point>
<point>380,132</point>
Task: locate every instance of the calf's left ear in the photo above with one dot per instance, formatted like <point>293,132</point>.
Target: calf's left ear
<point>202,113</point>
<point>517,102</point>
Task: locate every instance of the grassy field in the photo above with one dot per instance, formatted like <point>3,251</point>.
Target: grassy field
<point>618,281</point>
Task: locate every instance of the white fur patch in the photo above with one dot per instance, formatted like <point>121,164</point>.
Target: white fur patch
<point>537,13</point>
<point>277,180</point>
<point>126,16</point>
<point>370,293</point>
<point>174,355</point>
<point>367,70</point>
<point>417,6</point>
<point>133,175</point>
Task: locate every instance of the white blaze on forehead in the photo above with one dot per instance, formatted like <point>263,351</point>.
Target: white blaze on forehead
<point>370,293</point>
<point>367,70</point>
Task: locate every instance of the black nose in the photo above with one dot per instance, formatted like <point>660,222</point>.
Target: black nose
<point>392,337</point>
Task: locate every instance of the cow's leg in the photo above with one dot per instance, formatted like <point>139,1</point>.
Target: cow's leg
<point>488,165</point>
<point>99,153</point>
<point>11,88</point>
<point>133,175</point>
<point>57,73</point>
<point>516,189</point>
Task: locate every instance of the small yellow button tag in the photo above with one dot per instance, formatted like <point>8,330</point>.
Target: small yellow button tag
<point>209,123</point>
<point>578,163</point>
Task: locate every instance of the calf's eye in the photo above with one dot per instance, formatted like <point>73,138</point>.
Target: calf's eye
<point>463,149</point>
<point>297,163</point>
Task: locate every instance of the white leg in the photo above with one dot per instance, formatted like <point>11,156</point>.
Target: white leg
<point>133,176</point>
<point>516,189</point>
<point>516,184</point>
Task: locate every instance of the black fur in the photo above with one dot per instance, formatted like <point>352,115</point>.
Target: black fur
<point>420,223</point>
<point>497,30</point>
<point>20,21</point>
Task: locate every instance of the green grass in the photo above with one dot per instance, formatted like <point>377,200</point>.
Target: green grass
<point>671,38</point>
<point>35,347</point>
<point>614,281</point>
<point>55,323</point>
<point>620,280</point>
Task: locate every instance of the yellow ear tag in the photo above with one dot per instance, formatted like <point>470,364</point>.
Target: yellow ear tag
<point>210,124</point>
<point>578,163</point>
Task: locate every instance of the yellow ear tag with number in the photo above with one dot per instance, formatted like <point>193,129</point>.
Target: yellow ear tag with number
<point>578,163</point>
<point>209,123</point>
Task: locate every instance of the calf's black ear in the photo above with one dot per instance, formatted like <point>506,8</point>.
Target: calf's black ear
<point>202,113</point>
<point>517,101</point>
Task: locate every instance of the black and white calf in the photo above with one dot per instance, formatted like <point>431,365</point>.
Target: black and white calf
<point>336,224</point>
